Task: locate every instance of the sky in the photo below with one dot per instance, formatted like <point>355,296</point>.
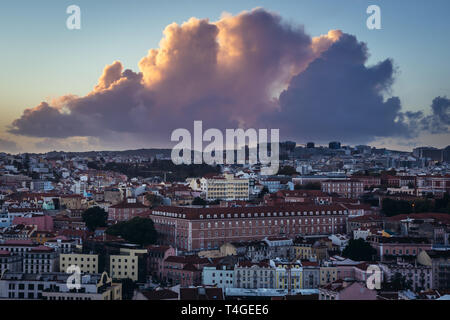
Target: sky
<point>237,64</point>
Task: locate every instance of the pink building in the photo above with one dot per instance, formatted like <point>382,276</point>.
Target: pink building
<point>156,256</point>
<point>184,270</point>
<point>392,247</point>
<point>43,223</point>
<point>342,290</point>
<point>126,210</point>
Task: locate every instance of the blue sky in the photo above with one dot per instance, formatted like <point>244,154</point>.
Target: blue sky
<point>41,59</point>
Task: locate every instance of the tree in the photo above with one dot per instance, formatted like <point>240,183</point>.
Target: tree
<point>359,250</point>
<point>128,287</point>
<point>397,283</point>
<point>308,186</point>
<point>287,171</point>
<point>198,202</point>
<point>264,191</point>
<point>94,218</point>
<point>137,230</point>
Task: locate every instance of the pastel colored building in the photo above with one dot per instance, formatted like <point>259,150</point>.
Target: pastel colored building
<point>192,229</point>
<point>88,263</point>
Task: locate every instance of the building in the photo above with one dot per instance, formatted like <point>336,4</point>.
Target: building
<point>10,262</point>
<point>88,263</point>
<point>126,210</point>
<point>288,275</point>
<point>126,264</point>
<point>342,290</point>
<point>92,287</point>
<point>345,188</point>
<point>439,261</point>
<point>311,274</point>
<point>389,248</point>
<point>437,185</point>
<point>418,276</point>
<point>184,270</point>
<point>334,145</point>
<point>254,275</point>
<point>205,228</point>
<point>40,259</point>
<point>328,273</point>
<point>225,188</point>
<point>220,275</point>
<point>156,256</point>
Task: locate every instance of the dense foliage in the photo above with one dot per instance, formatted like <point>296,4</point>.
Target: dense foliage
<point>392,207</point>
<point>137,230</point>
<point>94,218</point>
<point>359,250</point>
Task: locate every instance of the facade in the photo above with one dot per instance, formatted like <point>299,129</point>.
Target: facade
<point>126,210</point>
<point>206,228</point>
<point>439,261</point>
<point>219,275</point>
<point>344,188</point>
<point>341,290</point>
<point>126,263</point>
<point>437,185</point>
<point>93,287</point>
<point>156,256</point>
<point>311,274</point>
<point>225,188</point>
<point>40,259</point>
<point>10,262</point>
<point>288,275</point>
<point>256,275</point>
<point>184,270</point>
<point>328,273</point>
<point>419,276</point>
<point>88,263</point>
<point>393,247</point>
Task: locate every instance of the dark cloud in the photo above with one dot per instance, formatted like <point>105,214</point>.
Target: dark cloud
<point>439,120</point>
<point>339,97</point>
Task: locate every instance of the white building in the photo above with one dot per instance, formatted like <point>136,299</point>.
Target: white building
<point>220,275</point>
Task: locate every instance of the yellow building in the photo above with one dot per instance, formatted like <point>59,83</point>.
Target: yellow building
<point>303,251</point>
<point>125,264</point>
<point>225,188</point>
<point>88,263</point>
<point>288,275</point>
<point>327,274</point>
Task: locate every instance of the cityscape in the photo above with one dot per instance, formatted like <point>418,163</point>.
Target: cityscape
<point>97,203</point>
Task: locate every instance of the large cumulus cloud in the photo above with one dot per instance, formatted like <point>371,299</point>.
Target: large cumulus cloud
<point>248,70</point>
<point>339,97</point>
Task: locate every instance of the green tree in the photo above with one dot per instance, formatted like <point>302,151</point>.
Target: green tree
<point>397,283</point>
<point>359,250</point>
<point>94,218</point>
<point>287,171</point>
<point>128,287</point>
<point>308,186</point>
<point>198,202</point>
<point>264,191</point>
<point>137,230</point>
